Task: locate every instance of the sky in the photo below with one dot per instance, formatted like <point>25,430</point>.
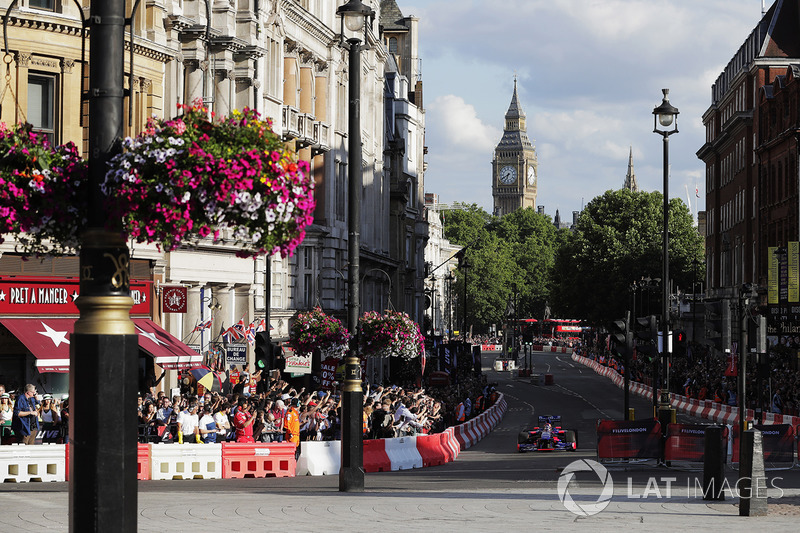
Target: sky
<point>589,74</point>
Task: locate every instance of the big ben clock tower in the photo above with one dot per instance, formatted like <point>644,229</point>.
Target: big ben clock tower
<point>514,168</point>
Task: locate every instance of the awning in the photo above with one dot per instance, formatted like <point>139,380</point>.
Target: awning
<point>48,340</point>
<point>169,352</point>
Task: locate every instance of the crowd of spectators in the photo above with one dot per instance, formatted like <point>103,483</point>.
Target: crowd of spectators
<point>271,411</point>
<point>705,375</point>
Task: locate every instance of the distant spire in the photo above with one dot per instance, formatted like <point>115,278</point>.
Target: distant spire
<point>515,110</point>
<point>630,178</point>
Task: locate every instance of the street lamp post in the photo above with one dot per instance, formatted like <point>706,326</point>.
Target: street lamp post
<point>354,17</point>
<point>465,266</point>
<point>450,277</point>
<point>104,346</point>
<point>665,123</point>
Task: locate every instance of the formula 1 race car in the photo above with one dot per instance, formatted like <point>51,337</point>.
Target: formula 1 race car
<point>548,436</point>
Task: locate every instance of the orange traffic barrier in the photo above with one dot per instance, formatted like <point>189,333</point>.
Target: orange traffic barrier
<point>274,459</point>
<point>375,457</point>
<point>430,448</point>
<point>142,461</point>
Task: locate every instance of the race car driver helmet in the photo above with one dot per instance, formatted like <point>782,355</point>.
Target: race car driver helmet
<point>548,427</point>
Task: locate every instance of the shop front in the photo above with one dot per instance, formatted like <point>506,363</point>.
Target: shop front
<point>37,317</point>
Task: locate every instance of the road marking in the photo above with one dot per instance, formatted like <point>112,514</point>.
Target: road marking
<point>573,393</point>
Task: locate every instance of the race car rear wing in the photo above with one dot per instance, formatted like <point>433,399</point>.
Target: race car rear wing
<point>554,420</point>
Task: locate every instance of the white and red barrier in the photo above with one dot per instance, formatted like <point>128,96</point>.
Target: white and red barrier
<point>707,409</point>
<point>491,347</point>
<point>49,462</point>
<point>551,349</point>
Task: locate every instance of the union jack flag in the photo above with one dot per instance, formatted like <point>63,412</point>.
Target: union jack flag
<point>250,334</point>
<point>262,325</point>
<point>239,327</point>
<point>204,325</point>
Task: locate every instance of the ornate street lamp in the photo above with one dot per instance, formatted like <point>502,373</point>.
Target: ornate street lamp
<point>665,123</point>
<point>450,277</point>
<point>355,16</point>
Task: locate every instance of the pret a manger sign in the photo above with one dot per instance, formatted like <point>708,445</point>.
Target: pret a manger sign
<point>56,296</point>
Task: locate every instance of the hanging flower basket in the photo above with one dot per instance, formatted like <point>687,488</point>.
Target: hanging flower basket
<point>42,188</point>
<point>180,181</point>
<point>193,177</point>
<point>317,330</point>
<point>391,334</point>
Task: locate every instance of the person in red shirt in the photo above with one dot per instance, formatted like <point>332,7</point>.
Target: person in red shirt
<point>243,421</point>
<point>291,423</point>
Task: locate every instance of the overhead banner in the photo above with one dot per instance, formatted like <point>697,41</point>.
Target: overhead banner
<point>686,442</point>
<point>629,439</point>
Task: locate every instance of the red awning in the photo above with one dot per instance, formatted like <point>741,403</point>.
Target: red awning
<point>48,340</point>
<point>168,351</point>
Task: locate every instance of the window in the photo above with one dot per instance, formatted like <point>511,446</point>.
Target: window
<point>392,45</point>
<point>41,104</point>
<point>47,5</point>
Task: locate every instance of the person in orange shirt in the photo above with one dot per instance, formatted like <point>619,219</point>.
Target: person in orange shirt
<point>292,423</point>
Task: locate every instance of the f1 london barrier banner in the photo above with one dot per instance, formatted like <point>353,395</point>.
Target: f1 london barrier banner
<point>686,442</point>
<point>777,441</point>
<point>629,439</point>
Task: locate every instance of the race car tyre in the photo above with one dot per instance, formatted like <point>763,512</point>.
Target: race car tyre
<point>523,437</point>
<point>571,436</point>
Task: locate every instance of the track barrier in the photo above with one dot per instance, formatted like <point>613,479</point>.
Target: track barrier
<point>252,460</point>
<point>403,453</point>
<point>686,442</point>
<point>41,462</point>
<point>321,458</point>
<point>167,461</point>
<point>777,441</point>
<point>185,461</point>
<point>625,439</point>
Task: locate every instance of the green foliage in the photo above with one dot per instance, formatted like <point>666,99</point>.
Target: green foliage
<point>585,273</point>
<point>619,240</point>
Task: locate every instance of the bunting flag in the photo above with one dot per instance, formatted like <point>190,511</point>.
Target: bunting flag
<point>697,191</point>
<point>202,326</point>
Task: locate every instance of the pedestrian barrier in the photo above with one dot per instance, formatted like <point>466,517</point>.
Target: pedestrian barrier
<point>686,442</point>
<point>142,461</point>
<point>628,439</point>
<point>320,458</point>
<point>185,461</point>
<point>431,450</point>
<point>252,460</point>
<point>375,457</point>
<point>777,441</point>
<point>22,463</point>
<point>403,453</point>
<point>504,364</point>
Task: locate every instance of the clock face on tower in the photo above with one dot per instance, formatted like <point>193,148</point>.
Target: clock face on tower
<point>508,175</point>
<point>531,176</point>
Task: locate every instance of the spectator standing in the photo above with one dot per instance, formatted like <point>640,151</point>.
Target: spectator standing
<point>243,422</point>
<point>188,425</point>
<point>48,414</point>
<point>6,409</point>
<point>223,422</point>
<point>777,403</point>
<point>25,421</point>
<point>291,423</point>
<point>208,426</point>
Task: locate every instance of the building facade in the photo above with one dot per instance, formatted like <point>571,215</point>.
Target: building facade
<point>749,168</point>
<point>515,166</point>
<point>284,59</point>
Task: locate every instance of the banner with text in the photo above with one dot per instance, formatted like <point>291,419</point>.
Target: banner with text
<point>624,439</point>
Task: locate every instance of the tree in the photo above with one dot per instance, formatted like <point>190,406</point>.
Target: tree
<point>618,240</point>
<point>518,248</point>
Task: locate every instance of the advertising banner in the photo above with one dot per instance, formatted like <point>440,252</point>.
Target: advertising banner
<point>687,442</point>
<point>624,439</point>
<point>777,441</point>
<point>297,363</point>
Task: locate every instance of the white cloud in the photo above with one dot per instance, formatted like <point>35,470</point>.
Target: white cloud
<point>458,123</point>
